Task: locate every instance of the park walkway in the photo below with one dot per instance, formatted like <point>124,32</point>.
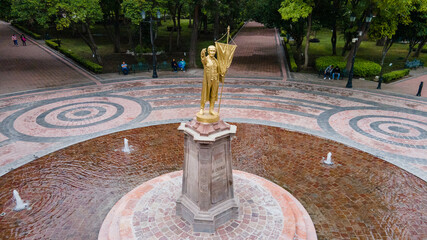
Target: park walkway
<point>30,67</point>
<point>257,53</point>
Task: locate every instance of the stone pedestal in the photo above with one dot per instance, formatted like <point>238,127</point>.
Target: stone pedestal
<point>207,199</point>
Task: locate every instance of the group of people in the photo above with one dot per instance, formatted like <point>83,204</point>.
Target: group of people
<point>331,71</point>
<point>23,39</point>
<point>181,65</point>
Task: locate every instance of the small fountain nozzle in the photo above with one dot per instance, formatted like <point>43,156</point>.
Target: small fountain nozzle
<point>20,205</point>
<point>328,159</point>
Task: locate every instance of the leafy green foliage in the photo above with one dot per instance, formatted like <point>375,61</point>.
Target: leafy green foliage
<point>388,77</point>
<point>294,67</point>
<point>5,7</point>
<point>362,68</point>
<point>295,9</point>
<point>28,32</point>
<point>33,11</point>
<point>52,44</point>
<point>77,11</point>
<point>85,63</point>
<point>132,9</point>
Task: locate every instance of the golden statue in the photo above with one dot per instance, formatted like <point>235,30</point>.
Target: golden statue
<point>214,73</point>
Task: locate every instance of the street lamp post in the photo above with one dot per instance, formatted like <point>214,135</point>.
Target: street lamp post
<point>354,40</point>
<point>152,38</point>
<point>350,76</point>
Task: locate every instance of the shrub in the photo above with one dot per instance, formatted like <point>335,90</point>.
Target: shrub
<point>292,62</point>
<point>362,68</point>
<point>52,44</point>
<point>27,32</point>
<point>142,49</point>
<point>388,77</point>
<point>96,68</point>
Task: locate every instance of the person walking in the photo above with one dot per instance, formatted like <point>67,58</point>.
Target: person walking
<point>24,40</point>
<point>15,40</point>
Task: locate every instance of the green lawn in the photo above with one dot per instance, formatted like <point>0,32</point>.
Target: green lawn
<point>111,60</point>
<point>367,50</point>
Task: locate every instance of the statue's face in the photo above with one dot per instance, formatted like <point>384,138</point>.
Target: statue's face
<point>211,51</point>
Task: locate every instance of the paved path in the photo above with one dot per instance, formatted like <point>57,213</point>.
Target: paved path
<point>390,126</point>
<point>30,67</point>
<point>257,52</point>
<point>409,86</point>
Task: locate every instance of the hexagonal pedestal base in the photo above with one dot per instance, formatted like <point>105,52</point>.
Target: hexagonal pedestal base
<point>207,221</point>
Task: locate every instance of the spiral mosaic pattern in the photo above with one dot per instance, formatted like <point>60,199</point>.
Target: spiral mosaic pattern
<point>393,131</point>
<point>60,119</point>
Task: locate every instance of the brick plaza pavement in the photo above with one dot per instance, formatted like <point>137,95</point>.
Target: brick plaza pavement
<point>372,129</point>
<point>30,67</point>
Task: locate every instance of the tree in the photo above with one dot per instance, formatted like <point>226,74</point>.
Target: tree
<point>331,14</point>
<point>194,33</point>
<point>295,10</point>
<point>34,12</point>
<point>415,32</point>
<point>111,12</point>
<point>389,14</point>
<point>5,7</point>
<point>81,15</point>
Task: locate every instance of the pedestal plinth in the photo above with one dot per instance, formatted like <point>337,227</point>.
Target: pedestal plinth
<point>207,199</point>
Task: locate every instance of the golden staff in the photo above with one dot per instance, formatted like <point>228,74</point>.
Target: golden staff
<point>222,87</point>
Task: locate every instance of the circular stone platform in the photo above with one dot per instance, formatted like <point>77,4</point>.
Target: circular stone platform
<point>266,211</point>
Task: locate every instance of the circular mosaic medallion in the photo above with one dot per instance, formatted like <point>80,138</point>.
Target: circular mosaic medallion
<point>59,119</point>
<point>266,211</point>
<point>390,131</point>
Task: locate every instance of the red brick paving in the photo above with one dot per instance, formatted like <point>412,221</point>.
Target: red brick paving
<point>409,86</point>
<point>256,53</point>
<point>72,190</point>
<point>29,67</point>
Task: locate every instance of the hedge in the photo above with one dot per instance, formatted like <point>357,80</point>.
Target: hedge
<point>96,68</point>
<point>362,68</point>
<point>52,44</point>
<point>388,77</point>
<point>28,32</point>
<point>294,66</point>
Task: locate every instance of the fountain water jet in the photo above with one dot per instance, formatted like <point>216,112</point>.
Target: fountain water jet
<point>20,205</point>
<point>328,159</point>
<point>126,148</point>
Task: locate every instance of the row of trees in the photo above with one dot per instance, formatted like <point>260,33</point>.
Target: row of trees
<point>82,15</point>
<point>394,20</point>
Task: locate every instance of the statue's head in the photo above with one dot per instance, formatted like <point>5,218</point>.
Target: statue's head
<point>211,50</point>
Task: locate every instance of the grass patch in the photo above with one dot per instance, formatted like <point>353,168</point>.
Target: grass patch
<point>367,51</point>
<point>111,60</point>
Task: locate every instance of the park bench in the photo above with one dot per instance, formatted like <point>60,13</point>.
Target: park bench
<point>135,68</point>
<point>140,67</point>
<point>164,66</point>
<point>130,67</point>
<point>414,64</point>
